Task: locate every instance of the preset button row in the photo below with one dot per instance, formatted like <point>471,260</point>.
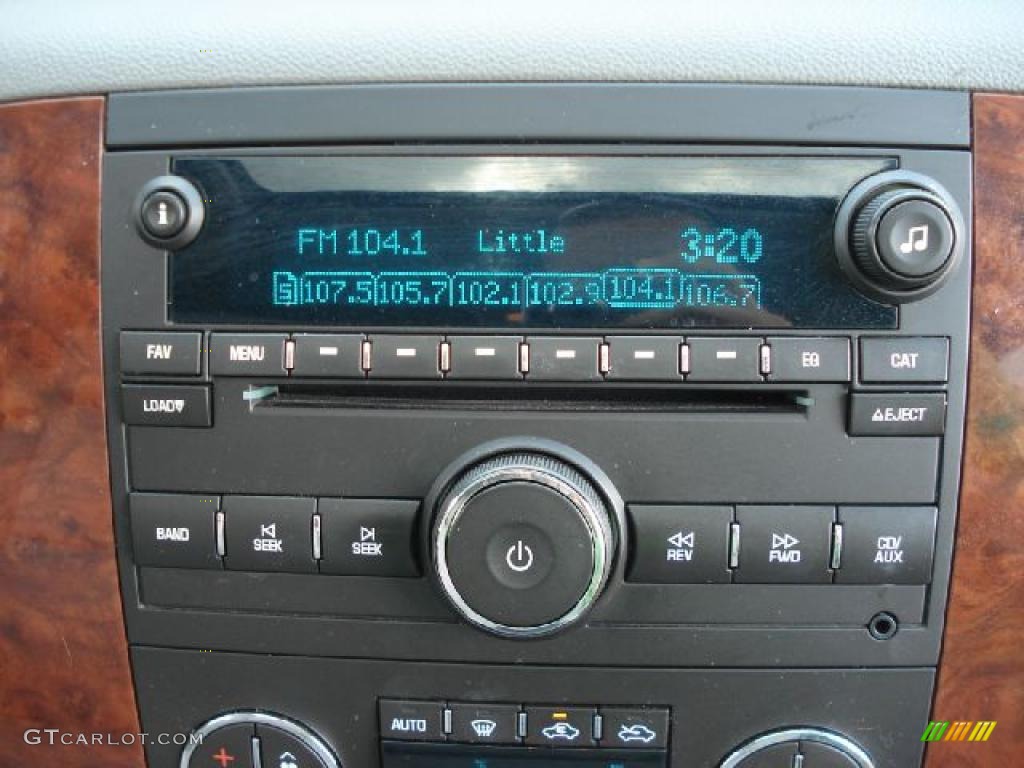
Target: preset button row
<point>355,537</point>
<point>545,358</point>
<point>514,724</point>
<point>781,544</point>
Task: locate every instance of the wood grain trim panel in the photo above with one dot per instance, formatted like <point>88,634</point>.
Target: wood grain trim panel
<point>63,652</point>
<point>981,676</point>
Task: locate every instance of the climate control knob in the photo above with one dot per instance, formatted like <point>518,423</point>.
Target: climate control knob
<point>522,543</point>
<point>898,236</point>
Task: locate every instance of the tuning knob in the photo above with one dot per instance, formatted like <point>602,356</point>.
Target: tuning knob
<point>522,543</point>
<point>898,236</point>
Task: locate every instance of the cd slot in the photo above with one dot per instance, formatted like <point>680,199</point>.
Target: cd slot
<point>519,398</point>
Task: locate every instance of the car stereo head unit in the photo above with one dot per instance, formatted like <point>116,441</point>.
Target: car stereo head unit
<point>468,454</point>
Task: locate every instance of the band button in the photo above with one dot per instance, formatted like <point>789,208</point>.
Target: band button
<point>174,530</point>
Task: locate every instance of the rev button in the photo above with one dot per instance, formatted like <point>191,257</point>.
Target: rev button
<point>166,406</point>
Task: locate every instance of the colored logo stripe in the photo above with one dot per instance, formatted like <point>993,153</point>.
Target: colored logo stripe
<point>961,730</point>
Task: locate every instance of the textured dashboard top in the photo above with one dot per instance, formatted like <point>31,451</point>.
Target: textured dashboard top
<point>74,47</point>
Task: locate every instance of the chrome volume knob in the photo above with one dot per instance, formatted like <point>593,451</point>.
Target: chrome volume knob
<point>522,544</point>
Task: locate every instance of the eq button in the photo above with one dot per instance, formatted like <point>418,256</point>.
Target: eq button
<point>809,359</point>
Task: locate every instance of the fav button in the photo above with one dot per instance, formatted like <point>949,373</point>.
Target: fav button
<point>485,723</point>
<point>785,545</point>
<point>151,405</point>
<point>560,727</point>
<point>269,533</point>
<point>887,545</point>
<point>160,353</point>
<point>368,537</point>
<point>634,728</point>
<point>174,530</point>
<point>411,720</point>
<point>900,360</point>
<point>679,544</point>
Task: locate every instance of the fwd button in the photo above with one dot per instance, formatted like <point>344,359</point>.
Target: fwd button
<point>785,545</point>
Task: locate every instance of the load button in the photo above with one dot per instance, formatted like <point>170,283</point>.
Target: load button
<point>900,414</point>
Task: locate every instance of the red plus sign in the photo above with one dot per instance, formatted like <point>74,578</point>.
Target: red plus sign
<point>224,758</point>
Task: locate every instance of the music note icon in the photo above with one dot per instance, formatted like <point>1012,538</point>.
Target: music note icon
<point>917,239</point>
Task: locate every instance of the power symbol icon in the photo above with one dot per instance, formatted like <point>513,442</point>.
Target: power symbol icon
<point>519,557</point>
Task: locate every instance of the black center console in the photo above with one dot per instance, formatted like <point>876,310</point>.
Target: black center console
<point>629,437</point>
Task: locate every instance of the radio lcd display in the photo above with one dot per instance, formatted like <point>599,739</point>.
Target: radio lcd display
<point>507,242</point>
